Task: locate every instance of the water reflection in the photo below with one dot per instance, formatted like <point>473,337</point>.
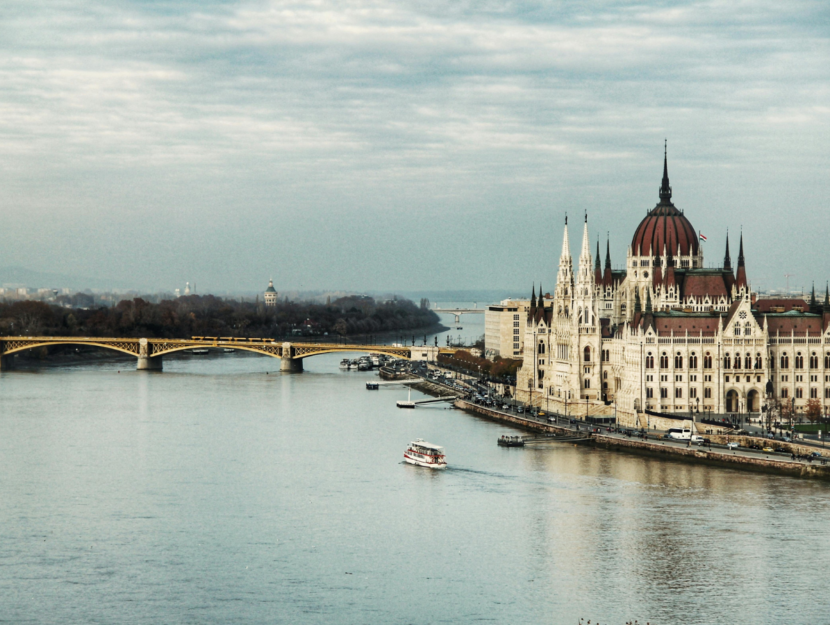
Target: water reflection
<point>222,491</point>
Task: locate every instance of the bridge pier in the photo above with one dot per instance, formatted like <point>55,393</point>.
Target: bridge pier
<point>291,365</point>
<point>149,363</point>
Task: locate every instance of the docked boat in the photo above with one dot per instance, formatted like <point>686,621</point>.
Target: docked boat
<point>344,364</point>
<point>200,351</point>
<point>229,350</point>
<point>511,441</point>
<point>372,386</point>
<point>425,454</point>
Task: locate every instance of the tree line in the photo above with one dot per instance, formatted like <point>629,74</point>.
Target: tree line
<point>207,315</point>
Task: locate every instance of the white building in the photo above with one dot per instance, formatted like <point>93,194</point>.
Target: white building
<point>504,328</point>
<point>666,335</point>
<point>270,294</point>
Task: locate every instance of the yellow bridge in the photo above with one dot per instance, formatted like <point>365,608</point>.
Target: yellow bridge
<point>150,352</point>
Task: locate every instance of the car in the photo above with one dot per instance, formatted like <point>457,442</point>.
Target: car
<point>815,454</point>
<point>505,407</point>
<point>768,449</point>
<point>787,439</point>
<point>732,445</point>
<point>520,410</point>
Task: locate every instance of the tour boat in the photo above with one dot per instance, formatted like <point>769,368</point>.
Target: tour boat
<point>511,441</point>
<point>200,351</point>
<point>425,454</point>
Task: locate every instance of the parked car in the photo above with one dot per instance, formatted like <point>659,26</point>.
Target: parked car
<point>520,409</point>
<point>768,449</point>
<point>732,445</point>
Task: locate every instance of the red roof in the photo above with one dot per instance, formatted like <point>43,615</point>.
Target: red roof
<point>766,305</point>
<point>664,225</point>
<point>712,285</point>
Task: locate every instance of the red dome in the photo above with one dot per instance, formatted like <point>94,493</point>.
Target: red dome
<point>664,225</point>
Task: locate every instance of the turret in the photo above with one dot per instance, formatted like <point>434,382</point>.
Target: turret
<point>608,279</point>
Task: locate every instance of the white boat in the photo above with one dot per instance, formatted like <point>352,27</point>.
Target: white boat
<point>344,364</point>
<point>200,351</point>
<point>229,350</point>
<point>425,454</point>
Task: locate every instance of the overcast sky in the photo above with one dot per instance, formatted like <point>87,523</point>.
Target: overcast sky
<point>405,145</point>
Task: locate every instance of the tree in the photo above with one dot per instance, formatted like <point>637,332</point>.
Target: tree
<point>813,410</point>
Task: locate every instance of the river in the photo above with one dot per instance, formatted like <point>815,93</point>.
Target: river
<point>221,491</point>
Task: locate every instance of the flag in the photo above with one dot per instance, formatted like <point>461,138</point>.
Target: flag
<point>702,238</point>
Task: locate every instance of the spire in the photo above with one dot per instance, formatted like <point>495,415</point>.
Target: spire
<point>740,277</point>
<point>814,307</point>
<point>826,306</point>
<point>533,297</point>
<point>665,189</point>
<point>727,261</point>
<point>638,307</point>
<point>597,267</point>
<point>608,278</point>
<point>566,244</point>
<point>541,296</point>
<point>648,301</point>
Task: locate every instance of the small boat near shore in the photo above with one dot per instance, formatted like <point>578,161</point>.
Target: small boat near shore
<point>372,386</point>
<point>511,441</point>
<point>200,351</point>
<point>344,364</point>
<point>423,454</point>
<point>229,350</point>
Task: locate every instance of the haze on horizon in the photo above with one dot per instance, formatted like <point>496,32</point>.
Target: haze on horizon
<point>411,145</point>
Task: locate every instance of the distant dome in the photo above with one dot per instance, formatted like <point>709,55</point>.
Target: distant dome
<point>270,288</point>
<point>665,225</point>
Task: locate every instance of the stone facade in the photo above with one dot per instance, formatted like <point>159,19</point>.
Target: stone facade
<point>668,335</point>
<point>504,328</point>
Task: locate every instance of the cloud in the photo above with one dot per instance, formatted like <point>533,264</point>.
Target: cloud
<point>517,109</point>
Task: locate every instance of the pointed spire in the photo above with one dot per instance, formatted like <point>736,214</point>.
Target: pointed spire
<point>533,297</point>
<point>665,189</point>
<point>541,295</point>
<point>826,307</point>
<point>727,261</point>
<point>597,267</point>
<point>608,277</point>
<point>814,306</point>
<point>566,244</point>
<point>638,307</point>
<point>608,253</point>
<point>740,277</point>
<point>648,301</point>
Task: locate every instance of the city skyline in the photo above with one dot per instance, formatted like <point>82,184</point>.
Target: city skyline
<point>328,145</point>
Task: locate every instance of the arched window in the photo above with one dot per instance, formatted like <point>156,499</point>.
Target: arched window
<point>799,361</point>
<point>707,361</point>
<point>649,361</point>
<point>736,364</point>
<point>727,361</point>
<point>813,361</point>
<point>678,361</point>
<point>748,361</point>
<point>693,361</point>
<point>827,360</point>
<point>587,353</point>
<point>758,361</point>
<point>748,328</point>
<point>737,329</point>
<point>541,348</point>
<point>785,361</point>
<point>664,361</point>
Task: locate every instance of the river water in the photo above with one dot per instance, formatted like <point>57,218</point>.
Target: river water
<point>222,491</point>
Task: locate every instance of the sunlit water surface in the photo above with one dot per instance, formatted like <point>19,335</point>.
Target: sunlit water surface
<point>222,491</point>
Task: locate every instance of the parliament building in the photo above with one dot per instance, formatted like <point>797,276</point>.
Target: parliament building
<point>666,335</point>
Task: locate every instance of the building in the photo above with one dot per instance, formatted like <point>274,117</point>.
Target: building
<point>270,294</point>
<point>504,328</point>
<point>666,335</point>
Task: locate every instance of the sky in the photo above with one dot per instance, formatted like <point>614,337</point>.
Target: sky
<point>367,145</point>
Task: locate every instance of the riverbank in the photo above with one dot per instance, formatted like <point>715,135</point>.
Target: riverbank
<point>740,458</point>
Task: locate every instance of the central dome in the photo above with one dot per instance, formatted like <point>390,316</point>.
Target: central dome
<point>665,225</point>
